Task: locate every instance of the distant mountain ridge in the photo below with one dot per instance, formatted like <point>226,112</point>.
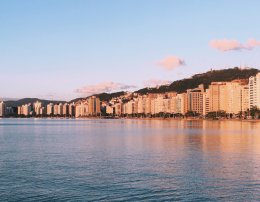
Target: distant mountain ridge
<point>16,103</point>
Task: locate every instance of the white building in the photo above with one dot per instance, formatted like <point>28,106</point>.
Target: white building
<point>82,109</point>
<point>65,109</point>
<point>37,107</point>
<point>50,109</point>
<point>129,107</point>
<point>109,109</point>
<point>25,110</point>
<point>2,109</point>
<point>60,108</point>
<point>254,91</point>
<point>181,103</point>
<point>72,109</point>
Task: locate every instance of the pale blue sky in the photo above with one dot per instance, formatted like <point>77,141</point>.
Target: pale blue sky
<point>48,49</point>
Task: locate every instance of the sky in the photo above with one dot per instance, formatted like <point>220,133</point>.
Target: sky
<point>65,49</point>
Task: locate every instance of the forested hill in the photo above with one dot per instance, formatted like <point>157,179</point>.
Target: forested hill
<point>181,86</point>
<point>103,96</point>
<point>16,103</point>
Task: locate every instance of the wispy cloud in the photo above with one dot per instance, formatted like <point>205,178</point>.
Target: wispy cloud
<point>171,62</point>
<point>252,43</point>
<point>155,82</point>
<point>104,87</point>
<point>233,45</point>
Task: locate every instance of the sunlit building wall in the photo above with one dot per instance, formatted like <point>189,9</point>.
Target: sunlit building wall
<point>181,103</point>
<point>109,110</point>
<point>216,96</point>
<point>37,107</point>
<point>254,91</point>
<point>2,109</point>
<point>245,98</point>
<point>94,106</point>
<point>65,109</point>
<point>129,107</point>
<point>195,99</point>
<point>50,109</point>
<point>72,109</point>
<point>118,108</point>
<point>56,109</point>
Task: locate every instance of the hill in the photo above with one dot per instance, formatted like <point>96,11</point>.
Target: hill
<point>178,86</point>
<point>16,103</point>
<point>181,86</point>
<point>102,96</point>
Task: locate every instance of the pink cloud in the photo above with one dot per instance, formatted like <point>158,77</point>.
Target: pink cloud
<point>232,45</point>
<point>171,62</point>
<point>104,87</point>
<point>155,82</point>
<point>252,43</point>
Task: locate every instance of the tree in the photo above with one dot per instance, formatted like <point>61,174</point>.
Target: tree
<point>192,114</point>
<point>254,112</point>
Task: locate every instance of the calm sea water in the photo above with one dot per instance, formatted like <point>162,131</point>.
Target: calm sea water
<point>129,160</point>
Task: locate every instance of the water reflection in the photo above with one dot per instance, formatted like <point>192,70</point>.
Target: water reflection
<point>129,160</point>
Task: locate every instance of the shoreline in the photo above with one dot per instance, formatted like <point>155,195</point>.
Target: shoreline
<point>133,118</point>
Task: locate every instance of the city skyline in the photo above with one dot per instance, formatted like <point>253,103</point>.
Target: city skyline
<point>63,50</point>
<point>239,98</point>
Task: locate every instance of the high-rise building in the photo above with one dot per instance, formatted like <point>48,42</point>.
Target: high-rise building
<point>216,95</point>
<point>141,105</point>
<point>50,109</point>
<point>254,91</point>
<point>81,109</point>
<point>135,109</point>
<point>172,105</point>
<point>160,104</point>
<point>37,107</point>
<point>55,109</point>
<point>129,107</point>
<point>109,109</point>
<point>2,109</point>
<point>181,103</point>
<point>93,106</point>
<point>234,97</point>
<point>118,108</point>
<point>206,102</point>
<point>42,111</point>
<point>195,99</point>
<point>72,109</point>
<point>60,108</point>
<point>245,98</point>
<point>25,110</point>
<point>65,109</point>
<point>231,97</point>
<point>77,111</point>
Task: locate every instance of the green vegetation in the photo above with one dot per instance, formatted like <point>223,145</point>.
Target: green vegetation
<point>192,114</point>
<point>181,86</point>
<point>254,112</point>
<point>216,115</point>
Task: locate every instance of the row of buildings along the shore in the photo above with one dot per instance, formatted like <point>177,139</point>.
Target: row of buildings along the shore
<point>83,108</point>
<point>232,97</point>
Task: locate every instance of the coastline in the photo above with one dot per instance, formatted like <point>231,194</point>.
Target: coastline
<point>133,118</point>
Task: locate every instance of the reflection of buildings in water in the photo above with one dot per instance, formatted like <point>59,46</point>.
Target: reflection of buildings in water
<point>230,148</point>
<point>217,149</point>
<point>229,135</point>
